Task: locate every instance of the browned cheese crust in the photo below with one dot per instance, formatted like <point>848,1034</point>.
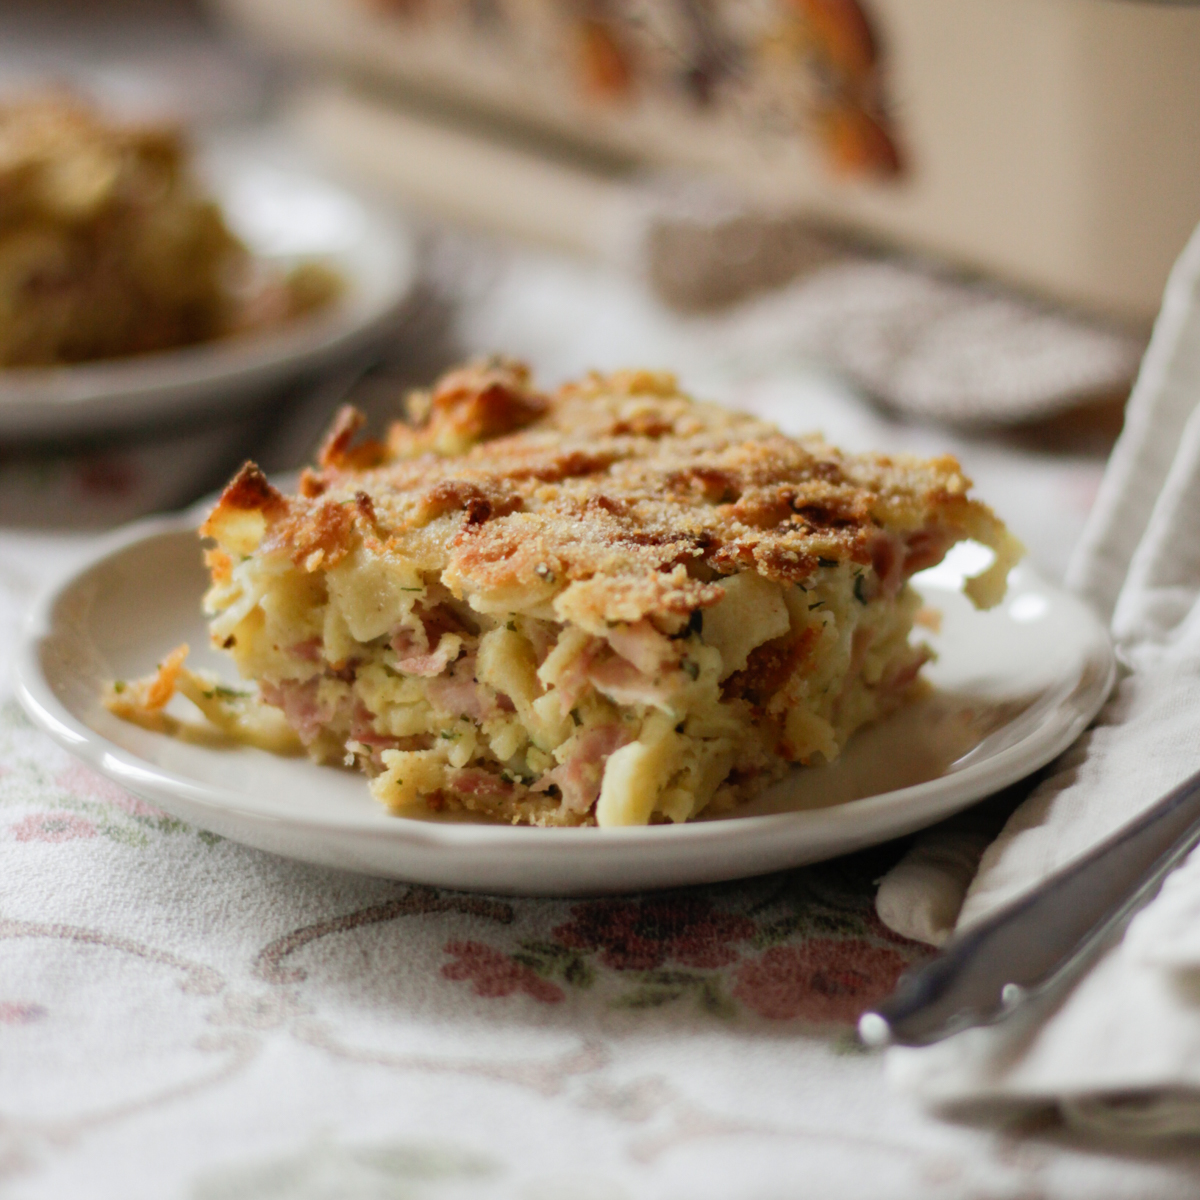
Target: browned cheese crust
<point>618,489</point>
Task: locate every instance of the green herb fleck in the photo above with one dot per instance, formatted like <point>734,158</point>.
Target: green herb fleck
<point>819,604</point>
<point>691,669</point>
<point>858,589</point>
<point>576,717</point>
<point>119,686</point>
<point>827,562</point>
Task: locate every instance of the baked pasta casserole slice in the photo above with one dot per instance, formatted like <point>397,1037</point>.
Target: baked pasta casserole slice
<point>608,605</point>
<point>109,245</point>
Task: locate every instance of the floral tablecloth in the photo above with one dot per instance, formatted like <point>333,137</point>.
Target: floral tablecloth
<point>184,1017</point>
<point>181,1016</point>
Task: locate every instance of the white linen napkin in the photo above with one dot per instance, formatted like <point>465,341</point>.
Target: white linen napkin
<point>1121,1052</point>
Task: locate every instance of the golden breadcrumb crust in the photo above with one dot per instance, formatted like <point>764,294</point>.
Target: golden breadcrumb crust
<point>611,500</point>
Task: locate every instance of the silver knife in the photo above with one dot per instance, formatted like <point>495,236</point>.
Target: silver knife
<point>1043,940</point>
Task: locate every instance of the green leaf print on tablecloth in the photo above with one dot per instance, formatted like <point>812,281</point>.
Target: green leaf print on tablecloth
<point>327,1170</point>
<point>67,800</point>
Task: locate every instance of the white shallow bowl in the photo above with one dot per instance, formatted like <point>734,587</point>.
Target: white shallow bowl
<point>286,213</point>
<point>1011,688</point>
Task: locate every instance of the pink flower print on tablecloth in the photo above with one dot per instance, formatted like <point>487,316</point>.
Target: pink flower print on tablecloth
<point>20,1014</point>
<point>87,785</point>
<point>824,980</point>
<point>493,973</point>
<point>53,827</point>
<point>641,935</point>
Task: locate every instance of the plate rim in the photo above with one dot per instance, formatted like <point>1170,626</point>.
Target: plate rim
<point>949,793</point>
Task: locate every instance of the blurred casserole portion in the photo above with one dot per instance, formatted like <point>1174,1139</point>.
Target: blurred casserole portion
<point>109,246</point>
<point>609,605</point>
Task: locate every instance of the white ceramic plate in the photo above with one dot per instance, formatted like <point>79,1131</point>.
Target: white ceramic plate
<point>286,213</point>
<point>1012,688</point>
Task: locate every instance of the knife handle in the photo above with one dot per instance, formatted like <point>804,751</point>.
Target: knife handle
<point>1041,939</point>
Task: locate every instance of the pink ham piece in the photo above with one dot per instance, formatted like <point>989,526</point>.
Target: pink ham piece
<point>363,730</point>
<point>412,646</point>
<point>309,649</point>
<point>299,704</point>
<point>624,684</point>
<point>642,645</point>
<point>457,693</point>
<point>573,680</point>
<point>440,619</point>
<point>579,778</point>
<point>541,637</point>
<point>904,676</point>
<point>887,557</point>
<point>925,549</point>
<point>429,665</point>
<point>407,641</point>
<point>895,558</point>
